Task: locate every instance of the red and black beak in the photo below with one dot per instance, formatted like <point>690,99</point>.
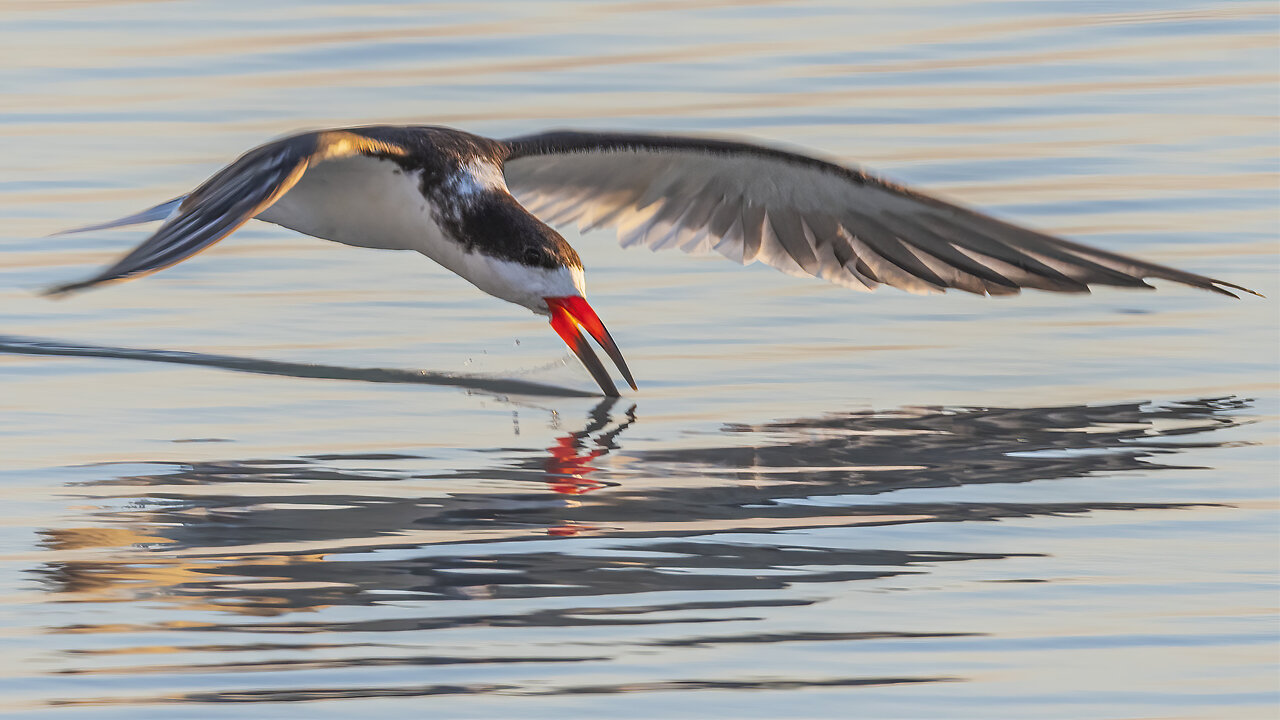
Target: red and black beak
<point>572,312</point>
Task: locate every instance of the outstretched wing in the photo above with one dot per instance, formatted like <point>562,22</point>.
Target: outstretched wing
<point>226,201</point>
<point>801,215</point>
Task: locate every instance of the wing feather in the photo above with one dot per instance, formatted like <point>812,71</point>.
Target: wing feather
<point>160,212</point>
<point>802,215</point>
<point>752,227</point>
<point>229,199</point>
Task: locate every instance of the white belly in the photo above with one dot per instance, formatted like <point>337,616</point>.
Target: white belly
<point>365,202</point>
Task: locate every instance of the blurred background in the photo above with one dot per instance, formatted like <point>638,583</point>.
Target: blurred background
<point>239,482</point>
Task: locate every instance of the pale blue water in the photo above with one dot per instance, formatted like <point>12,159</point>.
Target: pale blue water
<point>820,504</point>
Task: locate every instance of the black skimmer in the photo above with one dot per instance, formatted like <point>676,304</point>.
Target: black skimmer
<point>452,196</point>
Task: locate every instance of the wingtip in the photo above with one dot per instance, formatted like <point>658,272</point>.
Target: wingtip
<point>58,292</point>
<point>1220,287</point>
<point>1254,293</point>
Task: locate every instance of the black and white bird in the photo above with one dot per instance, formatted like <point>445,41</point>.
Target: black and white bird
<point>481,208</point>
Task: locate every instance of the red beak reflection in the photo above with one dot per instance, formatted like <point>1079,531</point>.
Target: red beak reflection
<point>570,313</point>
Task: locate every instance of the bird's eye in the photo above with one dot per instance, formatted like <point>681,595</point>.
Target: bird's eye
<point>533,256</point>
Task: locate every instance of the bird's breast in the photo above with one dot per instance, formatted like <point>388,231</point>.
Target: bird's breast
<point>374,203</point>
<point>366,202</point>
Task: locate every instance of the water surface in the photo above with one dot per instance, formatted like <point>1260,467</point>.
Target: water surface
<point>288,478</point>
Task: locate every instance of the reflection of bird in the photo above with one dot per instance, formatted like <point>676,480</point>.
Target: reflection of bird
<point>568,464</point>
<point>449,195</point>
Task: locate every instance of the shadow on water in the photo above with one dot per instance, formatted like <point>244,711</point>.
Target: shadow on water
<point>661,538</point>
<point>478,383</point>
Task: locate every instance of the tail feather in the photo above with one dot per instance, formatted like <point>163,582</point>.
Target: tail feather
<point>163,211</point>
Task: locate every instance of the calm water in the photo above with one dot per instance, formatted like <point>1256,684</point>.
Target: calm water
<point>239,488</point>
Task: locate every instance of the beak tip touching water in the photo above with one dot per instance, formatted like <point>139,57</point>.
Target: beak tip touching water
<point>572,314</point>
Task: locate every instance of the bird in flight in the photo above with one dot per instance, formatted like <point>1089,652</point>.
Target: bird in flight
<point>483,208</point>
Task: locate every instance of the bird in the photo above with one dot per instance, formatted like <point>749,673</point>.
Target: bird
<point>484,209</point>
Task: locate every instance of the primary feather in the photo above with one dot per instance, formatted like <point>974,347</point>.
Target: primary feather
<point>802,215</point>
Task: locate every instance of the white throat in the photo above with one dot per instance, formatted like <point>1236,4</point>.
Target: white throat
<point>521,284</point>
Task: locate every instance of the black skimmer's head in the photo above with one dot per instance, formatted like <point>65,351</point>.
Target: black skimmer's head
<point>472,205</point>
<point>511,254</point>
<point>516,257</point>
